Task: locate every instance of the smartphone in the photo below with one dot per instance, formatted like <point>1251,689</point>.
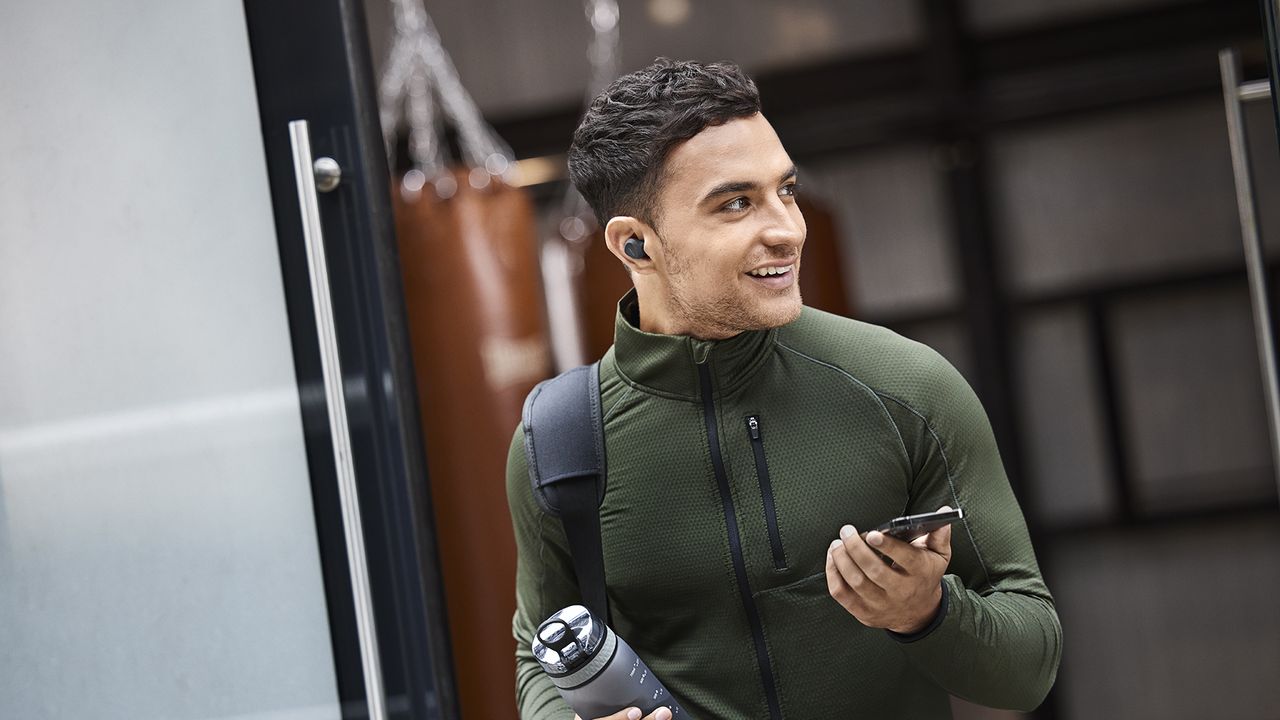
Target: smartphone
<point>910,527</point>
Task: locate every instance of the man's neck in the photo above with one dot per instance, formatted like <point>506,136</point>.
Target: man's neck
<point>660,318</point>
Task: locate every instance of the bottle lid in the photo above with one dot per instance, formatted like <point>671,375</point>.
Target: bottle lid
<point>568,640</point>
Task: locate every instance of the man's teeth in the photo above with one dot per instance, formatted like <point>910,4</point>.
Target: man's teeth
<point>766,272</point>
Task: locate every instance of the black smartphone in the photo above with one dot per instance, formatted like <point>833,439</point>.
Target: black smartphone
<point>910,527</point>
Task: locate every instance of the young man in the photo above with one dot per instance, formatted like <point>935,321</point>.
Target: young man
<point>750,441</point>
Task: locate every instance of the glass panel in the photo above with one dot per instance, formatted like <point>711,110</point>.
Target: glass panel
<point>1062,419</point>
<point>1191,397</point>
<point>1138,193</point>
<point>890,211</point>
<point>157,539</point>
<point>1170,624</point>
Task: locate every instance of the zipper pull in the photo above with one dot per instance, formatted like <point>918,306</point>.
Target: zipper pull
<point>753,426</point>
<point>701,350</point>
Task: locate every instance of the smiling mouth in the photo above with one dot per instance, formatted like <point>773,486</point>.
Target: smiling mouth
<point>780,279</point>
<point>771,271</point>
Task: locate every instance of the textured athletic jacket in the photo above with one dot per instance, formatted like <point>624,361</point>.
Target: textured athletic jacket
<point>731,467</point>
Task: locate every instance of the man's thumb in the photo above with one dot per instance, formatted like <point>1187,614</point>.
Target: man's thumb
<point>939,540</point>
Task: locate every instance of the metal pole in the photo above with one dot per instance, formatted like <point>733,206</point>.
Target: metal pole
<point>1254,259</point>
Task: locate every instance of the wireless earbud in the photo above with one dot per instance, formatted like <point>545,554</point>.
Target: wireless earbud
<point>634,249</point>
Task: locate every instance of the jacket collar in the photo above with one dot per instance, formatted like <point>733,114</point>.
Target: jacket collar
<point>667,365</point>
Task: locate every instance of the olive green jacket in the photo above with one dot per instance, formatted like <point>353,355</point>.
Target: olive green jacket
<point>732,466</point>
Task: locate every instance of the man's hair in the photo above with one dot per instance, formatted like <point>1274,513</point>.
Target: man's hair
<point>620,147</point>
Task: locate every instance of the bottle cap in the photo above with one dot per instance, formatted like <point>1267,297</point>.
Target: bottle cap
<point>568,640</point>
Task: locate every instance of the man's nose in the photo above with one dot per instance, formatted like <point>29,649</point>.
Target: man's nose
<point>787,225</point>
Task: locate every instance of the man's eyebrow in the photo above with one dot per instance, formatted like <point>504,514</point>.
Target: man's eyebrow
<point>734,186</point>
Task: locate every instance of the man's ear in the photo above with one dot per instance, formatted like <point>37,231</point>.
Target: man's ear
<point>638,255</point>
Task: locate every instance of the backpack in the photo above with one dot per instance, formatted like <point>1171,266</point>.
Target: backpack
<point>564,447</point>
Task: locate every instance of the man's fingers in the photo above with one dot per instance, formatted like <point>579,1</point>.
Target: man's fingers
<point>836,585</point>
<point>848,569</point>
<point>853,574</point>
<point>633,713</point>
<point>939,541</point>
<point>905,555</point>
<point>873,567</point>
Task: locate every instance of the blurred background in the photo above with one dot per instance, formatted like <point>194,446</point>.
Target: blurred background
<point>1041,190</point>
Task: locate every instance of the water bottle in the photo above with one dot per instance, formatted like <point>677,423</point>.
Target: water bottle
<point>597,673</point>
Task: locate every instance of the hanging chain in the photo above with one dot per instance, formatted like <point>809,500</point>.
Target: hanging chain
<point>603,52</point>
<point>418,86</point>
<point>603,15</point>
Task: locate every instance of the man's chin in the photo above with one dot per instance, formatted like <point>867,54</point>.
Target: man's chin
<point>778,313</point>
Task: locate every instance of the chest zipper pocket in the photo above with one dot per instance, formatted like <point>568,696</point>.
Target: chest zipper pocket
<point>766,491</point>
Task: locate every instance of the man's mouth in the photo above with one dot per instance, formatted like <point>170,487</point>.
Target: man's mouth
<point>778,277</point>
<point>771,271</point>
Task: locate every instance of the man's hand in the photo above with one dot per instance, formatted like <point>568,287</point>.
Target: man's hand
<point>661,713</point>
<point>903,597</point>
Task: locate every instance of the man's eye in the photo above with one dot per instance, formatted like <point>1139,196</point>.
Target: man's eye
<point>736,204</point>
<point>789,190</point>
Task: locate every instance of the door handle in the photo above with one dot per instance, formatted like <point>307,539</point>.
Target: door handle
<point>1234,95</point>
<point>314,176</point>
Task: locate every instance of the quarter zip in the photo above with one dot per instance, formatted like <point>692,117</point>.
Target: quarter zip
<point>766,491</point>
<point>735,545</point>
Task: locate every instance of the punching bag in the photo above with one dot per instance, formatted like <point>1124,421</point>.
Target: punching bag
<point>474,303</point>
<point>603,281</point>
<point>822,282</point>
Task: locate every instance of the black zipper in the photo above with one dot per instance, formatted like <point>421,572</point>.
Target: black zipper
<point>766,492</point>
<point>735,546</point>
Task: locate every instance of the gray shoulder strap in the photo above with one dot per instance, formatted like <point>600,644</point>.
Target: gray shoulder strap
<point>563,434</point>
<point>564,446</point>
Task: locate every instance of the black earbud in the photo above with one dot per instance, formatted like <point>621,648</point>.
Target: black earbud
<point>634,249</point>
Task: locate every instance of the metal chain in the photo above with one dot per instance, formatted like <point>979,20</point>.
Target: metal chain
<point>603,15</point>
<point>420,78</point>
<point>603,52</point>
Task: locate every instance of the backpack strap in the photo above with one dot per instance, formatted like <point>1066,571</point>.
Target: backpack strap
<point>564,447</point>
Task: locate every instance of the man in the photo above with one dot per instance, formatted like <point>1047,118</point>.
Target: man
<point>750,442</point>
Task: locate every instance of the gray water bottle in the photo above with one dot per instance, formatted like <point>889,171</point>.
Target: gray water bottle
<point>597,673</point>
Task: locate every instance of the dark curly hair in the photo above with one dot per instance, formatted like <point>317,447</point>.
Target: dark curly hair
<point>619,149</point>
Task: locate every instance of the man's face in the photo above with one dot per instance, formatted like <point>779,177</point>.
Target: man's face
<point>727,215</point>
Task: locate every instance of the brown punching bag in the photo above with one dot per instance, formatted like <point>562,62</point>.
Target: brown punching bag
<point>474,303</point>
<point>604,280</point>
<point>822,282</point>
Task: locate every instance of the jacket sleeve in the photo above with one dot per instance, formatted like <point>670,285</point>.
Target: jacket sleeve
<point>545,583</point>
<point>997,640</point>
